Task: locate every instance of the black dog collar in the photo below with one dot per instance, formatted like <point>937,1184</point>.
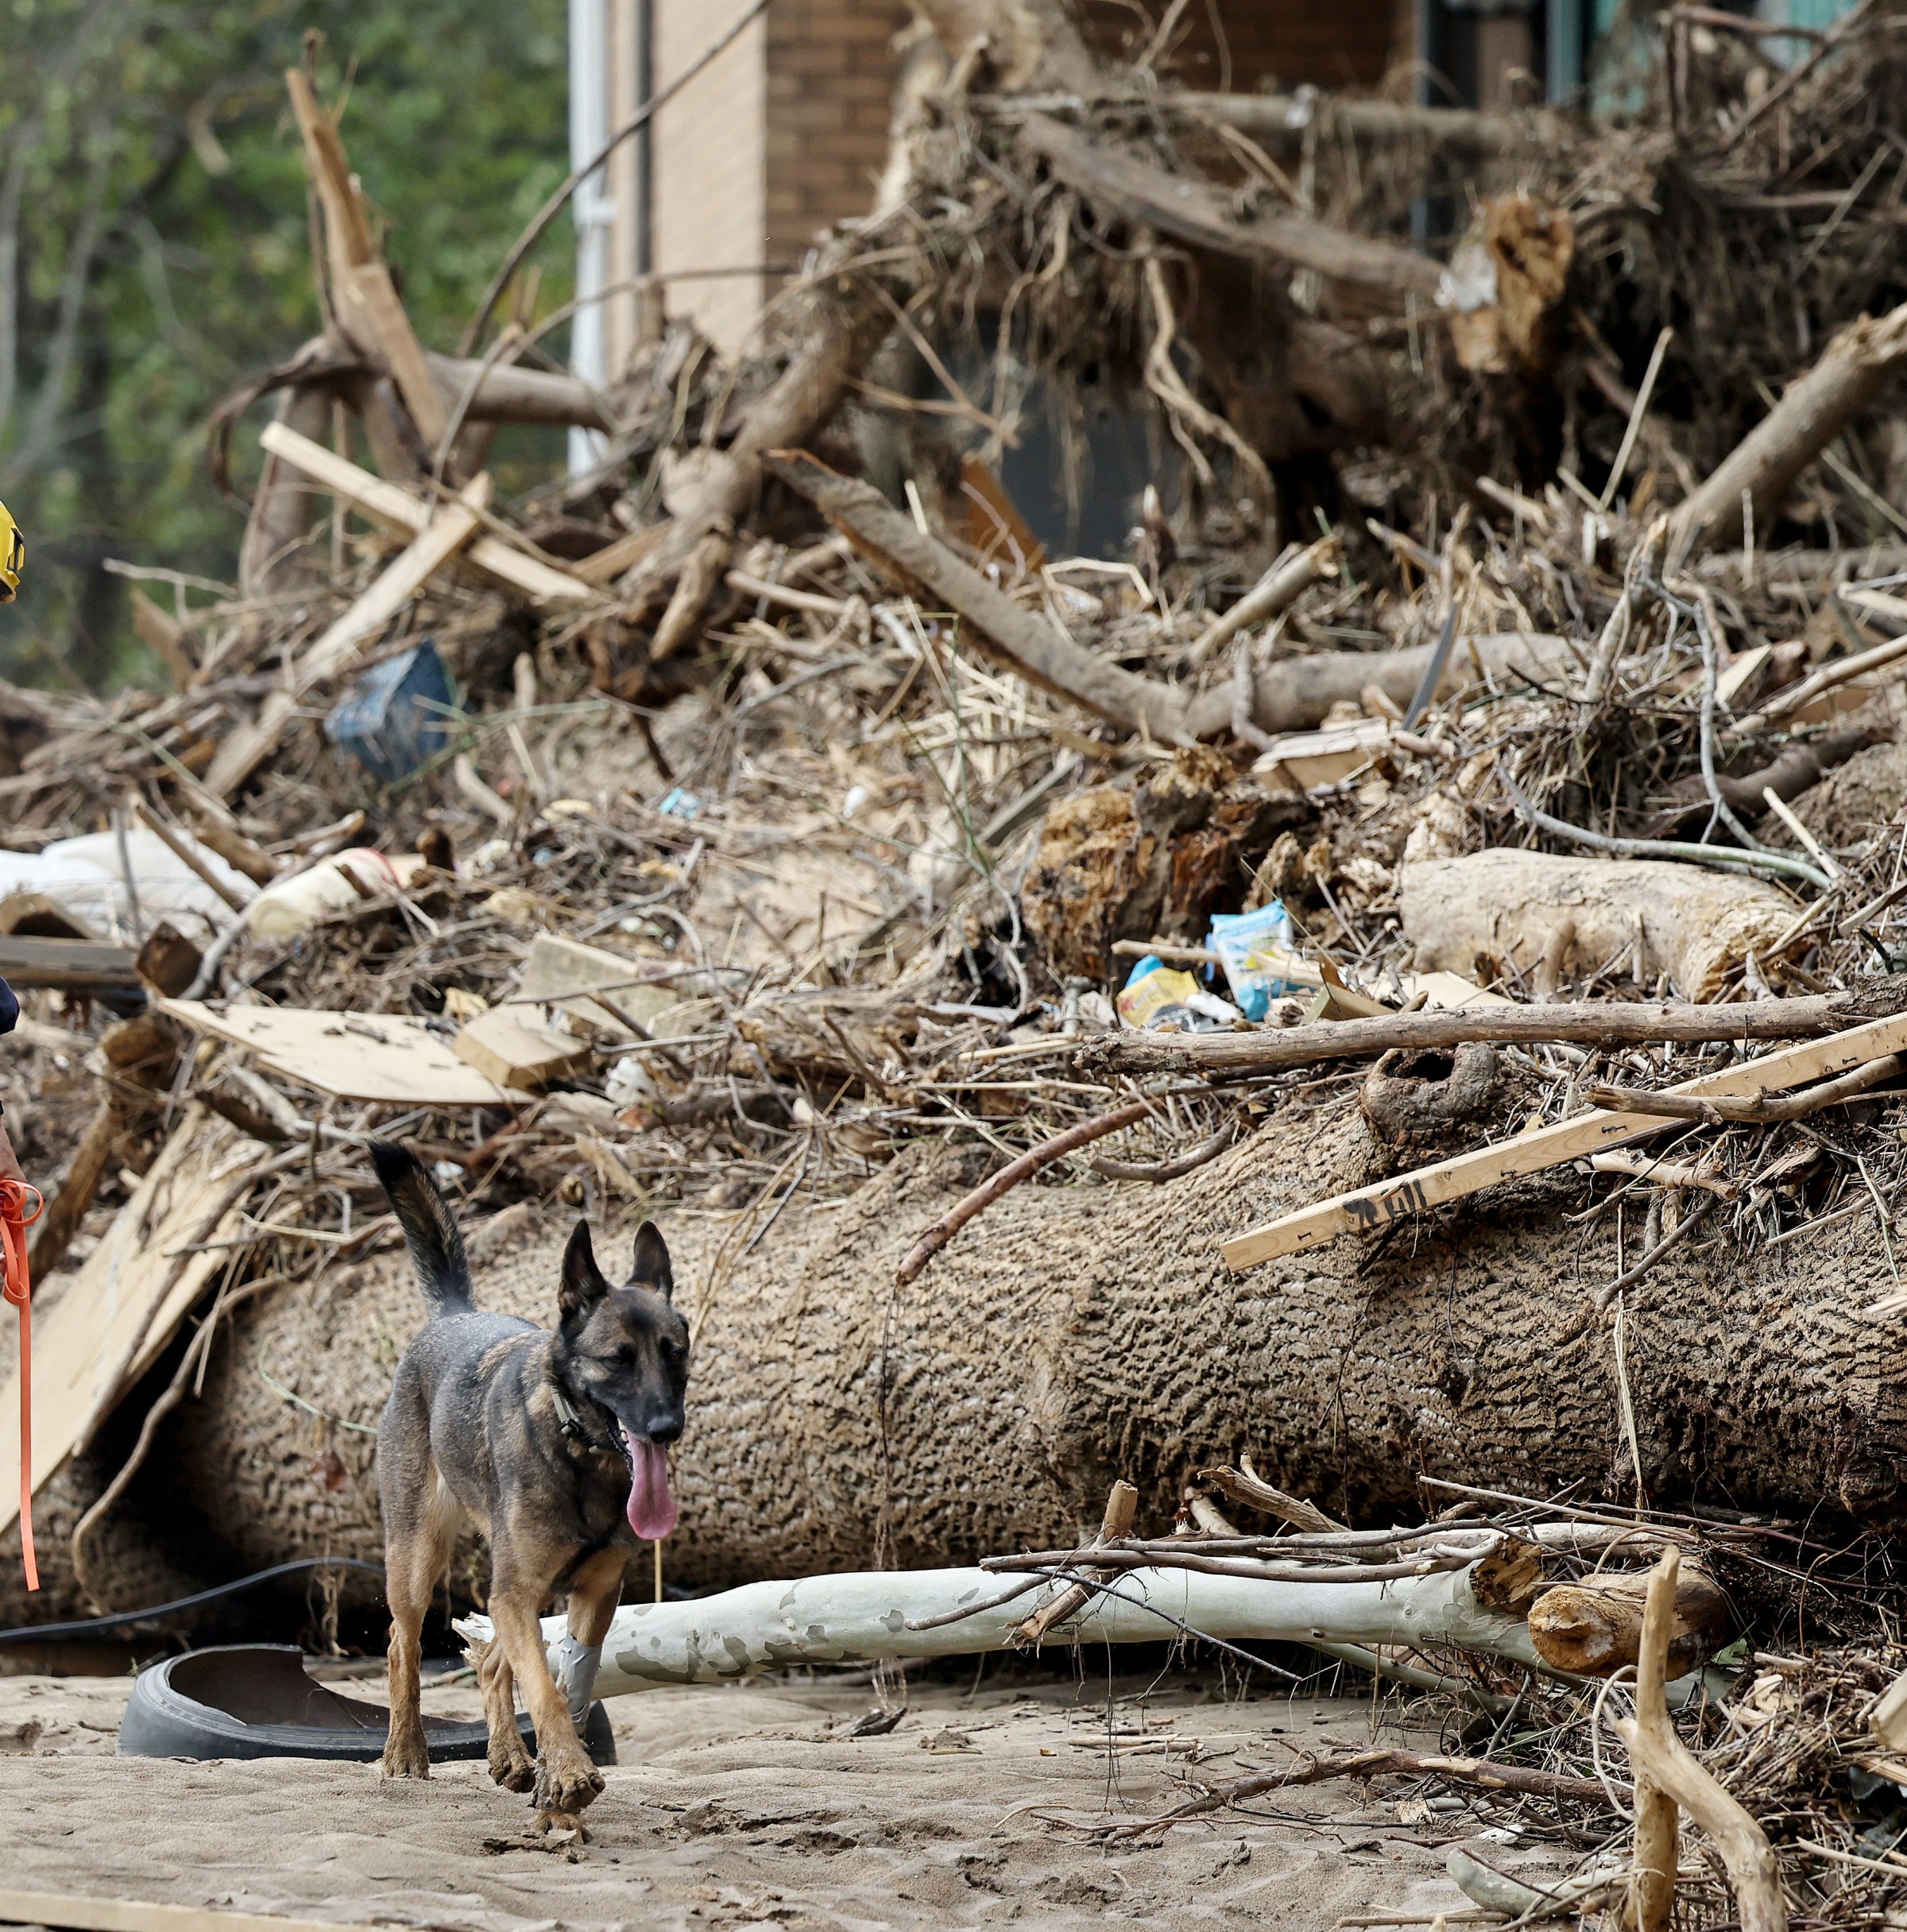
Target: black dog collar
<point>569,1417</point>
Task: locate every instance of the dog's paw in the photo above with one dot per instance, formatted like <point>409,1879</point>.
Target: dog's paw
<point>406,1757</point>
<point>511,1767</point>
<point>566,1781</point>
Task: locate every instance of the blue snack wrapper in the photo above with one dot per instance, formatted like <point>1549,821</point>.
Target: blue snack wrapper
<point>1236,937</point>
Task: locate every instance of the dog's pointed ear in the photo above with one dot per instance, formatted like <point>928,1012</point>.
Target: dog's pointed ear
<point>583,1284</point>
<point>651,1268</point>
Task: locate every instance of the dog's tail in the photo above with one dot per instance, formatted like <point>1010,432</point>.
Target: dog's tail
<point>443,1269</point>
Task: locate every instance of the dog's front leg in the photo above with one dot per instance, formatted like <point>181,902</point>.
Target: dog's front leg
<point>595,1592</point>
<point>567,1781</point>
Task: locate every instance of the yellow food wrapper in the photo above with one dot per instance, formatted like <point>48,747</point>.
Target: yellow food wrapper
<point>1145,998</point>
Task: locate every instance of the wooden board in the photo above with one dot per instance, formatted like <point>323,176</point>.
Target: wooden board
<point>1365,1209</point>
<point>66,963</point>
<point>559,971</point>
<point>107,1326</point>
<point>511,1046</point>
<point>388,1057</point>
<point>74,1913</point>
<point>398,510</point>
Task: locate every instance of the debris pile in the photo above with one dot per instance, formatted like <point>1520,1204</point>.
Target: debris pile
<point>1460,843</point>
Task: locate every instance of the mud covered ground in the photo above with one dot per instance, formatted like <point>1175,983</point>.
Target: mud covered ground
<point>744,1806</point>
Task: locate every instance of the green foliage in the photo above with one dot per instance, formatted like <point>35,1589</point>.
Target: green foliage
<point>154,250</point>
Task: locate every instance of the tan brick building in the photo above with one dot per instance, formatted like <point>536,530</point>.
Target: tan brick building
<point>787,131</point>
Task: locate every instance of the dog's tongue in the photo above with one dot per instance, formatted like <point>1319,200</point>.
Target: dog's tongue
<point>651,1508</point>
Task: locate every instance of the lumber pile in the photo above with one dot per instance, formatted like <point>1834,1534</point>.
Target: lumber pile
<point>768,831</point>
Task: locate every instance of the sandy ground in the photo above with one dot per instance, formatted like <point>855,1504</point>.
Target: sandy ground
<point>742,1804</point>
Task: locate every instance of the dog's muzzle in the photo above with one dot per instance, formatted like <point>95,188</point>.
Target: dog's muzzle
<point>574,1664</point>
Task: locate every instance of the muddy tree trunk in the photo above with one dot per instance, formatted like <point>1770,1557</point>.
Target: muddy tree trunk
<point>1075,1334</point>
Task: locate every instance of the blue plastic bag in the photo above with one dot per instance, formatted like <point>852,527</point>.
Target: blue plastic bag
<point>397,717</point>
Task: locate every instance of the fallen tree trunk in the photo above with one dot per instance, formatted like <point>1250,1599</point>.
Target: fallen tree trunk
<point>1504,912</point>
<point>1075,1335</point>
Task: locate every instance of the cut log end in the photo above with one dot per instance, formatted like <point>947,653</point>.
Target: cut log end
<point>1594,1628</point>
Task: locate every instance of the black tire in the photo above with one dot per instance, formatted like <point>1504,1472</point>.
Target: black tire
<point>255,1700</point>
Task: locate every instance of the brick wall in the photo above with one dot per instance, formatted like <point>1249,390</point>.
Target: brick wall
<point>831,65</point>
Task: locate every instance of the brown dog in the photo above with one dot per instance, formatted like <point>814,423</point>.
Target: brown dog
<point>554,1444</point>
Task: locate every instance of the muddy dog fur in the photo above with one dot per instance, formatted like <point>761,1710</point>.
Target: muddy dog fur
<point>552,1442</point>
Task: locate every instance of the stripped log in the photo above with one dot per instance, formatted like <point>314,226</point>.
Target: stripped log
<point>874,1616</point>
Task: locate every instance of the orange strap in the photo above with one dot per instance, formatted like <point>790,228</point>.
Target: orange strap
<point>18,1288</point>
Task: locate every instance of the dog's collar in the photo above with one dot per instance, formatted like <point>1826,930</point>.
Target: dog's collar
<point>571,1420</point>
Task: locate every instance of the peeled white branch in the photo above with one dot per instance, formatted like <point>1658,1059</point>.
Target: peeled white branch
<point>868,1616</point>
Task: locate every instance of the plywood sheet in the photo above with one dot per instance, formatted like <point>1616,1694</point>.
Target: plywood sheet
<point>388,1057</point>
<point>109,1325</point>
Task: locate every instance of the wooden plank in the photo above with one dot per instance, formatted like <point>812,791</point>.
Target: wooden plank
<point>69,962</point>
<point>388,1057</point>
<point>1366,1209</point>
<point>513,1047</point>
<point>397,510</point>
<point>561,972</point>
<point>95,1340</point>
<point>74,1913</point>
<point>338,649</point>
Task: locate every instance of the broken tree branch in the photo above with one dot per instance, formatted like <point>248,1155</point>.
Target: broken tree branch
<point>1585,1022</point>
<point>1027,643</point>
<point>1010,1177</point>
<point>1122,1505</point>
<point>1478,1773</point>
<point>1278,589</point>
<point>1765,1108</point>
<point>1668,1773</point>
<point>1193,212</point>
<point>1764,465</point>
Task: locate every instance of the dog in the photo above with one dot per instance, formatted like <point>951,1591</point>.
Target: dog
<point>554,1442</point>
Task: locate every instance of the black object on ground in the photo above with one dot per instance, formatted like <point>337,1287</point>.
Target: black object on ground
<point>255,1700</point>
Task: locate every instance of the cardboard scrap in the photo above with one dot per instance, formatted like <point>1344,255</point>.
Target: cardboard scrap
<point>1305,759</point>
